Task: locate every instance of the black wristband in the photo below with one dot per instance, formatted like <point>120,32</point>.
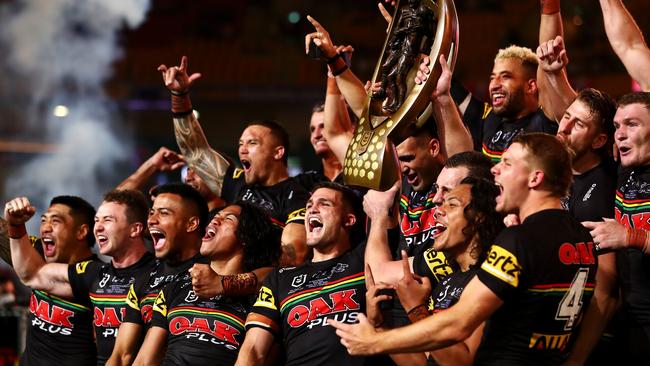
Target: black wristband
<point>179,94</point>
<point>333,59</point>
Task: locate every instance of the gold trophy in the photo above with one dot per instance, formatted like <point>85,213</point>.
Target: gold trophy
<point>418,27</point>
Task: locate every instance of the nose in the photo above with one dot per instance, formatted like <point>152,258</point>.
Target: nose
<point>438,198</point>
<point>619,134</point>
<point>495,169</point>
<point>440,212</point>
<point>565,127</point>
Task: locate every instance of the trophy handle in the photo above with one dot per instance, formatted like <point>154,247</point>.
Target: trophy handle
<point>371,160</point>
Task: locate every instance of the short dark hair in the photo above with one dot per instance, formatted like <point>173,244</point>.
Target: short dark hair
<point>81,211</point>
<point>635,98</point>
<point>429,128</point>
<point>277,131</point>
<point>553,158</point>
<point>482,218</point>
<point>603,109</point>
<point>260,239</point>
<point>317,108</point>
<point>477,164</point>
<point>189,195</point>
<point>351,202</point>
<point>135,202</point>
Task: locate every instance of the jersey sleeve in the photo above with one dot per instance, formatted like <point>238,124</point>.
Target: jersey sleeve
<point>502,270</point>
<point>432,264</point>
<point>265,312</point>
<point>294,205</point>
<point>132,308</point>
<point>81,276</point>
<point>232,183</point>
<point>159,317</point>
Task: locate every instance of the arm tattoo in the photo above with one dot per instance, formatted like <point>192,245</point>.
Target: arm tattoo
<point>5,251</point>
<point>418,313</point>
<point>242,284</point>
<point>206,162</point>
<point>288,257</point>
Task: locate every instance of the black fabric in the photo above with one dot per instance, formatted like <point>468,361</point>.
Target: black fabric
<point>200,331</point>
<point>590,198</point>
<point>60,331</point>
<point>546,279</point>
<point>294,303</point>
<point>104,288</point>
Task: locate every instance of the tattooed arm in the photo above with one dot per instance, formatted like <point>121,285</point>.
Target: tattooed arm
<point>5,251</point>
<point>210,165</point>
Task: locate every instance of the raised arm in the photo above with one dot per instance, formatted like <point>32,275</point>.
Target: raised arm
<point>348,83</point>
<point>552,61</point>
<point>5,250</point>
<point>163,160</point>
<point>627,41</point>
<point>454,136</point>
<point>550,26</point>
<point>338,129</point>
<point>205,161</point>
<point>28,264</point>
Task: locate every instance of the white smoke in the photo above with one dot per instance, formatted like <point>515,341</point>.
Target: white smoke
<point>61,52</point>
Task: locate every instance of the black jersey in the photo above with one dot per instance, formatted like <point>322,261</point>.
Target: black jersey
<point>146,286</point>
<point>432,264</point>
<point>545,279</point>
<point>417,219</point>
<point>60,331</point>
<point>632,209</point>
<point>295,304</point>
<point>104,288</point>
<point>448,291</point>
<point>496,135</point>
<point>200,331</point>
<point>284,201</point>
<point>590,198</point>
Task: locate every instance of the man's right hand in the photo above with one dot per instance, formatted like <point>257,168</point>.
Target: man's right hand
<point>321,39</point>
<point>176,78</point>
<point>552,55</point>
<point>377,204</point>
<point>166,160</point>
<point>18,211</point>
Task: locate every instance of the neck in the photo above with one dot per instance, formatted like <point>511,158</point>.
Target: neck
<point>465,259</point>
<point>331,166</point>
<point>332,250</point>
<point>530,108</point>
<point>81,254</point>
<point>132,255</point>
<point>231,265</point>
<point>189,250</point>
<point>536,202</point>
<point>276,176</point>
<point>586,162</point>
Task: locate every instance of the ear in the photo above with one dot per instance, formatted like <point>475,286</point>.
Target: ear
<point>192,224</point>
<point>136,230</point>
<point>599,141</point>
<point>82,232</point>
<point>278,153</point>
<point>349,220</point>
<point>532,86</point>
<point>434,147</point>
<point>535,179</point>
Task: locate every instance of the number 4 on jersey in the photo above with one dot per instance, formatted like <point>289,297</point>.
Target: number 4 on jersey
<point>571,304</point>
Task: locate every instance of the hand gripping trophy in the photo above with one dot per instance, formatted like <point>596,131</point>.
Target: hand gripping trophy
<point>419,27</point>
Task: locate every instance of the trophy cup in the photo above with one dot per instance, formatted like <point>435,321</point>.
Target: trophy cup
<point>418,27</point>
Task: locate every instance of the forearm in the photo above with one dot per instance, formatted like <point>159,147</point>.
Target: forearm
<point>209,164</point>
<point>244,284</point>
<point>638,239</point>
<point>409,359</point>
<point>559,93</point>
<point>600,311</point>
<point>338,127</point>
<point>5,250</point>
<point>552,93</point>
<point>353,91</point>
<point>28,261</point>
<point>454,137</point>
<point>139,179</point>
<point>377,254</point>
<point>294,248</point>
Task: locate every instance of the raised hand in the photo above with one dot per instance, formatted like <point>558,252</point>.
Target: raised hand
<point>412,290</point>
<point>321,39</point>
<point>609,234</point>
<point>378,203</point>
<point>18,211</point>
<point>373,298</point>
<point>166,160</point>
<point>443,86</point>
<point>385,13</point>
<point>552,55</point>
<point>176,78</point>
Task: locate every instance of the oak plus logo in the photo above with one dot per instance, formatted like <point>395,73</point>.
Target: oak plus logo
<point>49,317</point>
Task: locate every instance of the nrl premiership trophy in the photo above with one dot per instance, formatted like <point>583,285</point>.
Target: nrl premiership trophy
<point>418,27</point>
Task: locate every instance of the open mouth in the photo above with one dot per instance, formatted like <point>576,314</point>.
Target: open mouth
<point>411,178</point>
<point>498,99</point>
<point>439,229</point>
<point>101,240</point>
<point>623,150</point>
<point>49,247</point>
<point>158,237</point>
<point>315,225</point>
<point>246,164</point>
<point>210,233</point>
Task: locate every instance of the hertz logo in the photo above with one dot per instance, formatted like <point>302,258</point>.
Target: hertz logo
<point>437,264</point>
<point>265,299</point>
<point>298,214</point>
<point>503,265</point>
<point>549,341</point>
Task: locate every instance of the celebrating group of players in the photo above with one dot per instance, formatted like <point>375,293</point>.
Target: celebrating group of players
<point>517,234</point>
